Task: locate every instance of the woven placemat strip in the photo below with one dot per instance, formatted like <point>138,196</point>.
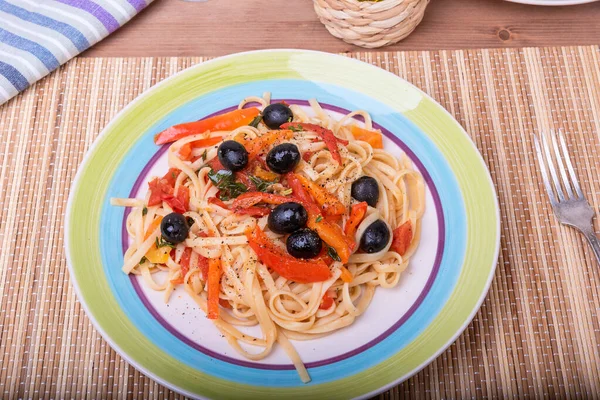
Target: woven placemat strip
<point>536,335</point>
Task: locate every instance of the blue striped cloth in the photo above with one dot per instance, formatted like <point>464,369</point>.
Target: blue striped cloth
<point>37,36</point>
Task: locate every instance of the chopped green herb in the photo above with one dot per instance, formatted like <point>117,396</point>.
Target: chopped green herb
<point>144,210</point>
<point>173,175</point>
<point>204,155</point>
<point>256,121</point>
<point>295,128</point>
<point>287,192</point>
<point>333,254</point>
<point>162,243</point>
<point>290,119</point>
<point>261,184</point>
<point>143,260</point>
<point>224,180</point>
<point>190,221</point>
<point>319,218</point>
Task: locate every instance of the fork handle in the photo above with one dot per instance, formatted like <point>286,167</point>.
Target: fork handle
<point>593,240</point>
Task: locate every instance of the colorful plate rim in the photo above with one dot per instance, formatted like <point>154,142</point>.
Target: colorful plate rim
<point>436,123</point>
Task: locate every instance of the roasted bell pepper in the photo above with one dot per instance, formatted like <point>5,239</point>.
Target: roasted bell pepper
<point>223,122</point>
<point>218,202</point>
<point>185,152</point>
<point>262,143</point>
<point>375,139</point>
<point>293,269</point>
<point>152,227</point>
<point>249,199</point>
<point>357,213</point>
<point>214,281</point>
<point>328,202</point>
<point>346,276</point>
<point>156,255</point>
<point>331,141</point>
<point>402,238</point>
<point>264,174</point>
<point>162,189</point>
<point>185,265</point>
<point>326,301</point>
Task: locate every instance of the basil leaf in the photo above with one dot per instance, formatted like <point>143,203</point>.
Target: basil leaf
<point>256,121</point>
<point>333,254</point>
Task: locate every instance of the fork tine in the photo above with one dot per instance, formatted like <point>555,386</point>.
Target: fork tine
<point>561,166</point>
<point>555,180</point>
<point>540,157</point>
<point>569,165</point>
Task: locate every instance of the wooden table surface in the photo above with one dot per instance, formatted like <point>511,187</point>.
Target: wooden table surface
<point>217,27</point>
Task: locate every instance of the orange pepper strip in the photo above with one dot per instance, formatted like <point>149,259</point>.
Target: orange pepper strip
<point>357,213</point>
<point>328,202</point>
<point>264,174</point>
<point>223,122</point>
<point>375,139</point>
<point>153,225</point>
<point>330,232</point>
<point>261,143</point>
<point>346,275</point>
<point>214,281</point>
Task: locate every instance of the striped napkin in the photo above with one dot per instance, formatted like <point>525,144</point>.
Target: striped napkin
<point>37,36</point>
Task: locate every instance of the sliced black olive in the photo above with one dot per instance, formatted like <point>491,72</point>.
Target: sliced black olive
<point>287,218</point>
<point>233,155</point>
<point>277,114</point>
<point>375,237</point>
<point>174,228</point>
<point>304,243</point>
<point>366,189</point>
<point>283,158</point>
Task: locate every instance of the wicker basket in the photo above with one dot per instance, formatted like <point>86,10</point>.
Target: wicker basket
<point>370,24</point>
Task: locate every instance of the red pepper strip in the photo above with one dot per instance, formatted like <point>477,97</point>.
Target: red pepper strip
<point>243,177</point>
<point>214,281</point>
<point>326,301</point>
<point>307,155</point>
<point>181,202</point>
<point>331,141</point>
<point>254,211</point>
<point>218,202</point>
<point>300,193</point>
<point>250,199</point>
<point>185,265</point>
<point>223,122</point>
<point>293,269</point>
<point>357,213</point>
<point>162,188</point>
<point>185,152</point>
<point>328,202</point>
<point>403,236</point>
<point>224,303</point>
<point>215,164</point>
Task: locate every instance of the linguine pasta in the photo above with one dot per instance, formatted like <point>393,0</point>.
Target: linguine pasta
<point>250,292</point>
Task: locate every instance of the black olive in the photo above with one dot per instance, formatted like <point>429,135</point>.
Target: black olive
<point>304,243</point>
<point>174,228</point>
<point>375,237</point>
<point>287,218</point>
<point>366,189</point>
<point>283,158</point>
<point>276,115</point>
<point>233,155</point>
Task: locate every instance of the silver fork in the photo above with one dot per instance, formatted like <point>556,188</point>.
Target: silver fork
<point>572,209</point>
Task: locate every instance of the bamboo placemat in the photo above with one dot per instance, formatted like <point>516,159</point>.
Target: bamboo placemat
<point>536,335</point>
